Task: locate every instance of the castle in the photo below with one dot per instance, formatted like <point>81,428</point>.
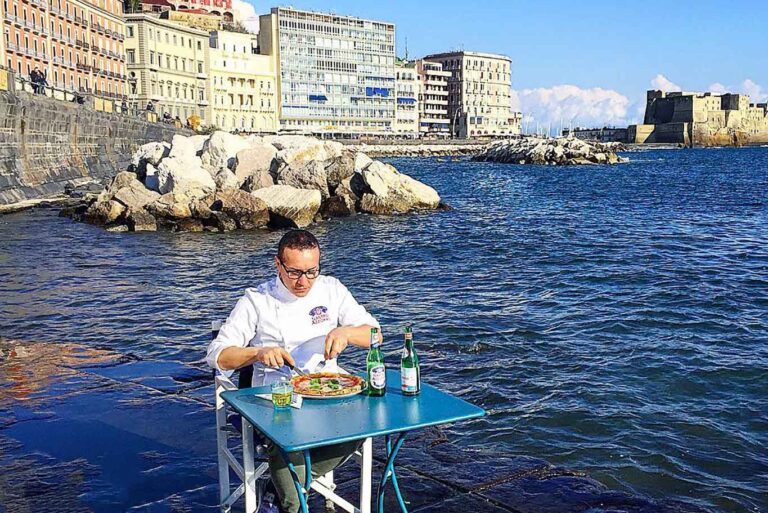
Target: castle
<point>701,119</point>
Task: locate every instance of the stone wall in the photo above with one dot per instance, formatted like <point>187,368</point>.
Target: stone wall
<point>46,143</point>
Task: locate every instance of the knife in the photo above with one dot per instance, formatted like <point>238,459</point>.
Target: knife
<point>295,369</point>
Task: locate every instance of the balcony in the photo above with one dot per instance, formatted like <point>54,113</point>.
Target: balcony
<point>42,4</point>
<point>202,76</point>
<point>54,10</point>
<point>82,44</point>
<point>12,47</point>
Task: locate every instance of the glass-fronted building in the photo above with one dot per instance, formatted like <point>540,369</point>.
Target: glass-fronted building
<point>336,73</point>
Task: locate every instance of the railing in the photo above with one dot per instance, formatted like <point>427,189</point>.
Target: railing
<point>54,10</point>
<point>43,4</point>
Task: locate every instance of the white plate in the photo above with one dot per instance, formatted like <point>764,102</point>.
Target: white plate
<point>340,396</point>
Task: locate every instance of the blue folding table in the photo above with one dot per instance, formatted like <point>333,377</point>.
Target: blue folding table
<point>322,422</point>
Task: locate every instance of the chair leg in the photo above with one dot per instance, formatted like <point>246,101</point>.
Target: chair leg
<point>330,506</point>
<point>366,469</point>
<point>249,477</point>
<point>221,446</point>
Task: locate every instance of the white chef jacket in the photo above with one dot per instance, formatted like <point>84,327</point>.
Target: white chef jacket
<point>271,316</point>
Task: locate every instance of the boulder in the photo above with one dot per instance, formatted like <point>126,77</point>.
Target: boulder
<point>140,221</point>
<point>334,149</point>
<point>135,196</point>
<point>183,147</point>
<point>257,181</point>
<point>362,161</point>
<point>104,212</point>
<point>184,176</point>
<point>151,153</point>
<point>222,148</point>
<point>226,179</point>
<point>338,206</point>
<point>394,192</point>
<point>221,222</point>
<point>123,179</point>
<point>188,225</point>
<point>340,168</point>
<point>247,211</point>
<point>173,206</point>
<point>201,208</point>
<point>309,175</point>
<point>304,150</point>
<point>254,160</point>
<point>353,186</point>
<point>289,206</point>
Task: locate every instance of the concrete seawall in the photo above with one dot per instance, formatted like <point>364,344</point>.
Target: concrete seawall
<point>46,143</point>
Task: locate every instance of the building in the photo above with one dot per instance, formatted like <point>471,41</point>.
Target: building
<point>168,65</point>
<point>433,99</point>
<point>244,84</point>
<point>221,8</point>
<point>479,94</point>
<point>701,119</point>
<point>605,134</point>
<point>407,87</point>
<point>336,74</point>
<point>77,43</point>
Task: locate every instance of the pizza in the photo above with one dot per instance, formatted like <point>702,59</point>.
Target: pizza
<point>327,384</point>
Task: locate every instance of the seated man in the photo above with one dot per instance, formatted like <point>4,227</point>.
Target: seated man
<point>301,318</point>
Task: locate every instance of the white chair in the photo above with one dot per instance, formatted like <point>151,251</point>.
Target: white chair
<point>248,472</point>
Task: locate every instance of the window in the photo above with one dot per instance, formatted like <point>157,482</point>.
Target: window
<point>130,31</point>
<point>131,56</point>
<point>199,47</point>
<point>151,57</point>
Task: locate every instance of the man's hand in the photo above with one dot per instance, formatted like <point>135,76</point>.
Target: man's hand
<point>336,341</point>
<point>274,357</point>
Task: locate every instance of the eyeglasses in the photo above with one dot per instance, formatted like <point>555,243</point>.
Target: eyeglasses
<point>296,274</point>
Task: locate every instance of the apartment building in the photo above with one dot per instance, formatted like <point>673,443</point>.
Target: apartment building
<point>479,94</point>
<point>221,8</point>
<point>244,84</point>
<point>336,74</point>
<point>407,87</point>
<point>168,64</point>
<point>78,44</point>
<point>433,99</point>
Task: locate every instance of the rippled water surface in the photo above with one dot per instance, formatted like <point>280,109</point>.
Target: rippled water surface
<point>613,320</point>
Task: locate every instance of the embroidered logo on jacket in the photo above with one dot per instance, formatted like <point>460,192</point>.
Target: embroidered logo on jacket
<point>319,314</point>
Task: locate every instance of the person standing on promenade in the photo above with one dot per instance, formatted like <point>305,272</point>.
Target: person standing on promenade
<point>299,317</point>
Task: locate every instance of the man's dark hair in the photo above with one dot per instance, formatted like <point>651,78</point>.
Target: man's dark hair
<point>297,239</point>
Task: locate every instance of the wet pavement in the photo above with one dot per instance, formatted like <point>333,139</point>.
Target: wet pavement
<point>87,430</point>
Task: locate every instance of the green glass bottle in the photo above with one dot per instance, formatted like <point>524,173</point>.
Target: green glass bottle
<point>377,372</point>
<point>410,374</point>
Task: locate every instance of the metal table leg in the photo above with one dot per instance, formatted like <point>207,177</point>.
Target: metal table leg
<point>303,492</point>
<point>389,471</point>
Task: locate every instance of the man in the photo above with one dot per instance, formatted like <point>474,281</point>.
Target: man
<point>301,318</point>
<point>34,76</point>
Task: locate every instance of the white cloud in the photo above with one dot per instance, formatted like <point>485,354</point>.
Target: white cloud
<point>756,92</point>
<point>246,13</point>
<point>570,105</point>
<point>664,84</point>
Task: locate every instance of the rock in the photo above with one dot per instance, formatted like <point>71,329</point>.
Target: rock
<point>288,206</point>
<point>151,153</point>
<point>116,228</point>
<point>184,176</point>
<point>221,222</point>
<point>188,225</point>
<point>104,212</point>
<point>150,178</point>
<point>222,148</point>
<point>353,186</point>
<point>334,149</point>
<point>362,161</point>
<point>254,160</point>
<point>340,168</point>
<point>300,150</point>
<point>258,181</point>
<point>246,210</point>
<point>140,221</point>
<point>550,151</point>
<point>394,192</point>
<point>226,179</point>
<point>135,196</point>
<point>183,147</point>
<point>201,208</point>
<point>338,206</point>
<point>123,179</point>
<point>171,206</point>
<point>310,175</point>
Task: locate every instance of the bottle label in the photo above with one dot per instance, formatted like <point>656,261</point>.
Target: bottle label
<point>378,377</point>
<point>409,379</point>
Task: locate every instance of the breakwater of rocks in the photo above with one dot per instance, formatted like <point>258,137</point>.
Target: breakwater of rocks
<point>420,150</point>
<point>224,182</point>
<point>551,151</point>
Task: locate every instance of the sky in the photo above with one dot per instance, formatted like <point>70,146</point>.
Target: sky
<point>585,63</point>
